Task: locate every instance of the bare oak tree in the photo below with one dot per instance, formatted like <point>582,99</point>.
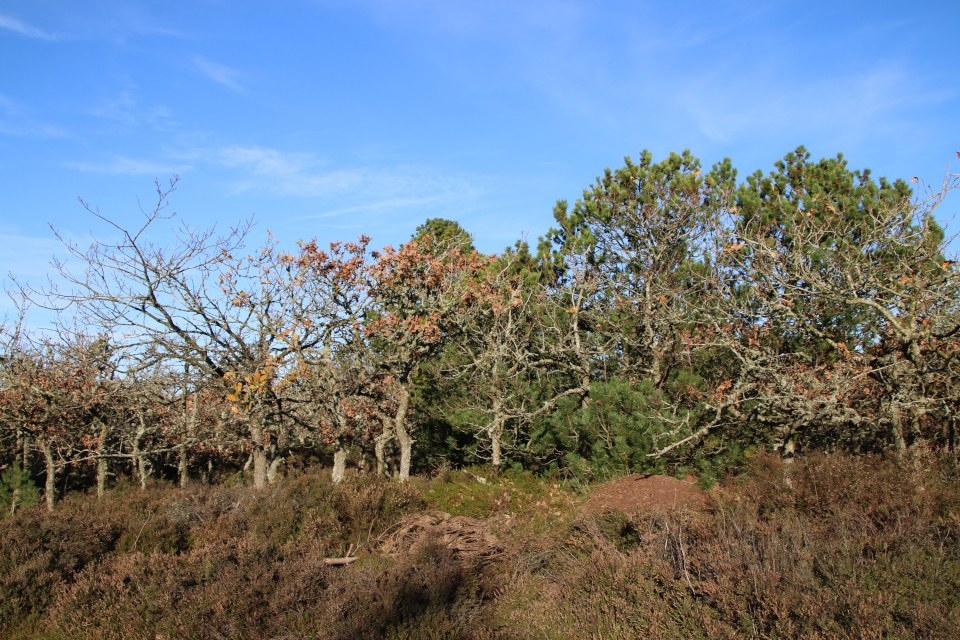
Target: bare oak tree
<point>203,303</point>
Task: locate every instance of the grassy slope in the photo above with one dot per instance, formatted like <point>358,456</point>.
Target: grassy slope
<point>830,547</point>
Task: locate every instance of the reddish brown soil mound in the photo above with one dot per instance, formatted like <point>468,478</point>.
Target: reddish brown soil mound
<point>644,491</point>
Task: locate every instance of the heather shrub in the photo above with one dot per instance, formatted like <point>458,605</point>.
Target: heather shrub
<point>233,589</point>
<point>40,550</point>
<point>476,492</point>
<point>143,556</point>
<point>241,590</point>
<point>229,562</point>
<point>832,546</point>
<point>366,499</point>
<point>829,547</point>
<point>826,547</point>
<point>377,602</point>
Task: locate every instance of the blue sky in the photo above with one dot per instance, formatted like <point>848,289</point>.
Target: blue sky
<point>333,119</point>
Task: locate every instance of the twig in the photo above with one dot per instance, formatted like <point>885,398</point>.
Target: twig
<point>369,533</point>
<point>140,532</point>
<point>683,553</point>
<point>349,557</point>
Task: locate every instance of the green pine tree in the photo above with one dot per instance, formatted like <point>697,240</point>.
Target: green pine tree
<point>16,490</point>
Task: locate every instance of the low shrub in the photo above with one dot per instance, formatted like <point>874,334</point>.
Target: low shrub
<point>826,547</point>
<point>829,547</point>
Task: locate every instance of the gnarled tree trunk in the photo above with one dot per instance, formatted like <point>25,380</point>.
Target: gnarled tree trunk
<point>403,436</point>
<point>380,447</point>
<point>274,470</point>
<point>139,462</point>
<point>496,435</point>
<point>51,483</point>
<point>102,469</point>
<point>261,440</point>
<point>190,421</point>
<point>339,463</point>
<point>102,465</point>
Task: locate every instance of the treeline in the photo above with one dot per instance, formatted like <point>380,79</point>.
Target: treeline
<point>674,316</point>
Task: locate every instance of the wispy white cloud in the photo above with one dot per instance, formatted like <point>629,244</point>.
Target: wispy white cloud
<point>354,193</point>
<point>385,204</point>
<point>220,73</point>
<point>294,174</point>
<point>27,261</point>
<point>15,120</point>
<point>130,166</point>
<point>32,129</point>
<point>846,107</point>
<point>111,21</point>
<point>458,18</point>
<point>367,189</point>
<point>125,109</point>
<point>349,190</point>
<point>27,256</point>
<point>6,22</point>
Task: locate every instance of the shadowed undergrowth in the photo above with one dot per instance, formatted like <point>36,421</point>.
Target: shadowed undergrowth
<point>828,547</point>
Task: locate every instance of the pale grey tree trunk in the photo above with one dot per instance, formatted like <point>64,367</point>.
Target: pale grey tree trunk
<point>183,467</point>
<point>899,442</point>
<point>102,468</point>
<point>496,434</point>
<point>789,450</point>
<point>26,453</point>
<point>380,448</point>
<point>261,440</point>
<point>50,487</point>
<point>259,467</point>
<point>339,464</point>
<point>139,463</point>
<point>189,424</point>
<point>331,384</point>
<point>21,479</point>
<point>403,437</point>
<point>273,471</point>
<point>102,464</point>
<point>143,470</point>
<point>23,439</point>
<point>495,445</point>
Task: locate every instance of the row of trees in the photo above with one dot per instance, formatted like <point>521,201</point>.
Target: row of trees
<point>673,315</point>
<point>815,305</point>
